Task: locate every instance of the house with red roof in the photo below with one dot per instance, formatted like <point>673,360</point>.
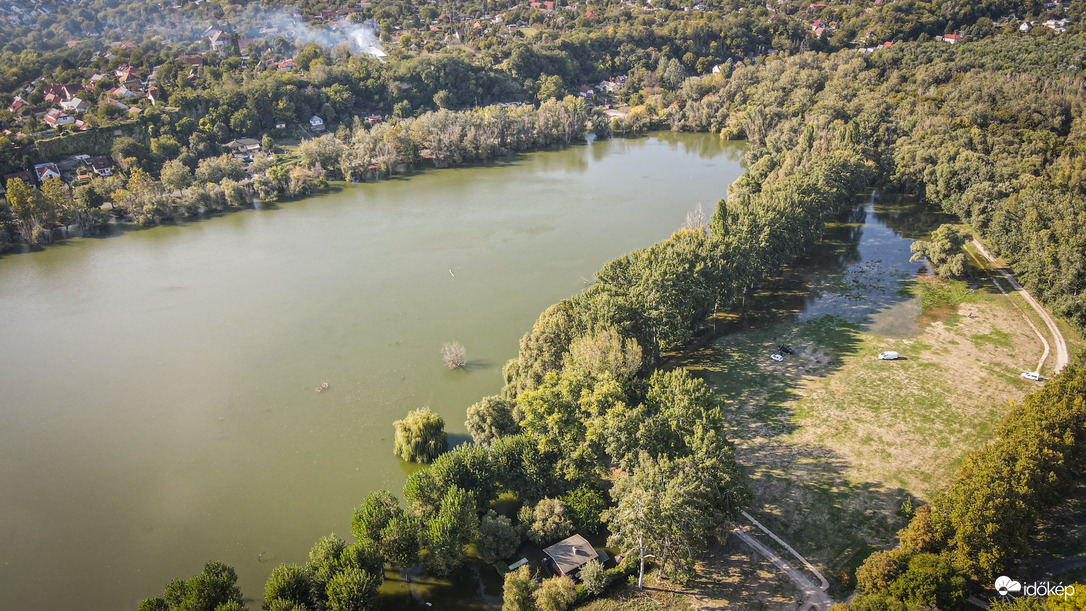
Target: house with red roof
<point>56,118</point>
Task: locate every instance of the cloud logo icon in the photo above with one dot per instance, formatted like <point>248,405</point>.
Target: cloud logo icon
<point>1005,585</point>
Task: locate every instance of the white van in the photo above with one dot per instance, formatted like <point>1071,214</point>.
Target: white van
<point>889,355</point>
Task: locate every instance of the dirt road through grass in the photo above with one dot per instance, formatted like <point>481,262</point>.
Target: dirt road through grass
<point>1062,356</point>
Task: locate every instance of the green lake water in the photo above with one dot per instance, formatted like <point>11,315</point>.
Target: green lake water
<point>157,385</point>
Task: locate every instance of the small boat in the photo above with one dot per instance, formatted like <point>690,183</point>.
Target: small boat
<point>322,387</point>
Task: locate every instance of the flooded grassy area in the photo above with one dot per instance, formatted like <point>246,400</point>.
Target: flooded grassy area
<point>841,446</point>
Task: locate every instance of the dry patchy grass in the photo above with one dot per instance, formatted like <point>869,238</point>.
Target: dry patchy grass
<point>839,445</point>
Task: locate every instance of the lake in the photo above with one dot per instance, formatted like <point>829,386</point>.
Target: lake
<point>158,384</point>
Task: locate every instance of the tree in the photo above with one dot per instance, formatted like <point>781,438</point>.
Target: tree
<point>498,537</point>
<point>175,175</point>
<point>420,437</point>
<point>878,571</point>
<point>288,582</point>
<point>214,169</point>
<point>352,590</point>
<point>325,151</point>
<point>57,203</point>
<point>343,576</point>
<point>665,509</point>
<point>550,88</point>
<point>518,590</point>
<point>374,514</point>
<point>547,522</point>
<point>454,354</point>
<point>585,505</point>
<point>468,467</point>
<point>930,581</point>
<point>593,577</point>
<point>943,250</point>
<point>446,534</point>
<point>399,541</point>
<point>243,121</point>
<point>490,419</point>
<point>214,589</point>
<point>165,147</point>
<point>127,148</point>
<point>381,520</point>
<point>556,594</point>
<point>28,208</point>
<point>606,352</point>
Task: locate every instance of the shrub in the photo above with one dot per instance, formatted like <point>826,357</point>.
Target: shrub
<point>593,578</point>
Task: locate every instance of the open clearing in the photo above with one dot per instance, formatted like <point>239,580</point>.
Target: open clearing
<point>841,446</point>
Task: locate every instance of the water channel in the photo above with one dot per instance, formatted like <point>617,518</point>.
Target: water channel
<point>157,385</point>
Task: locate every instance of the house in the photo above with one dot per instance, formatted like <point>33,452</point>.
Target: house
<point>1025,27</point>
<point>374,119</point>
<point>152,94</point>
<point>243,147</point>
<point>286,64</point>
<point>953,38</point>
<point>18,104</point>
<point>194,61</point>
<point>56,118</point>
<point>75,105</point>
<point>316,122</point>
<point>130,81</point>
<point>218,39</point>
<point>818,6</point>
<point>1058,25</point>
<point>24,176</point>
<point>568,555</point>
<point>101,166</point>
<point>45,171</point>
<point>586,92</point>
<point>123,92</point>
<point>112,102</point>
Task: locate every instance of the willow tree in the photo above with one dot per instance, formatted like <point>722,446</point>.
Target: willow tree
<point>943,250</point>
<point>420,437</point>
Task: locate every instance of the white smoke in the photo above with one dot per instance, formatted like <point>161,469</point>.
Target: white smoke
<point>358,37</point>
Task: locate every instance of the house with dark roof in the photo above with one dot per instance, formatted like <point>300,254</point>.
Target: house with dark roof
<point>24,176</point>
<point>568,555</point>
<point>101,166</point>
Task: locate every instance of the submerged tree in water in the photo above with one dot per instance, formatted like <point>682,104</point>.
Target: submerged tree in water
<point>454,355</point>
<point>420,437</point>
<point>943,250</point>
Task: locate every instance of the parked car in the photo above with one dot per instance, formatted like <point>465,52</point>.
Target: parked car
<point>889,355</point>
<point>776,357</point>
<point>1031,375</point>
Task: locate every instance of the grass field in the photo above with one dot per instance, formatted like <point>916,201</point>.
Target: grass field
<point>841,446</point>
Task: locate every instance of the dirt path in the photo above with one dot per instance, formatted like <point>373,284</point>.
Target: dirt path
<point>1056,567</point>
<point>815,597</point>
<point>1062,356</point>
